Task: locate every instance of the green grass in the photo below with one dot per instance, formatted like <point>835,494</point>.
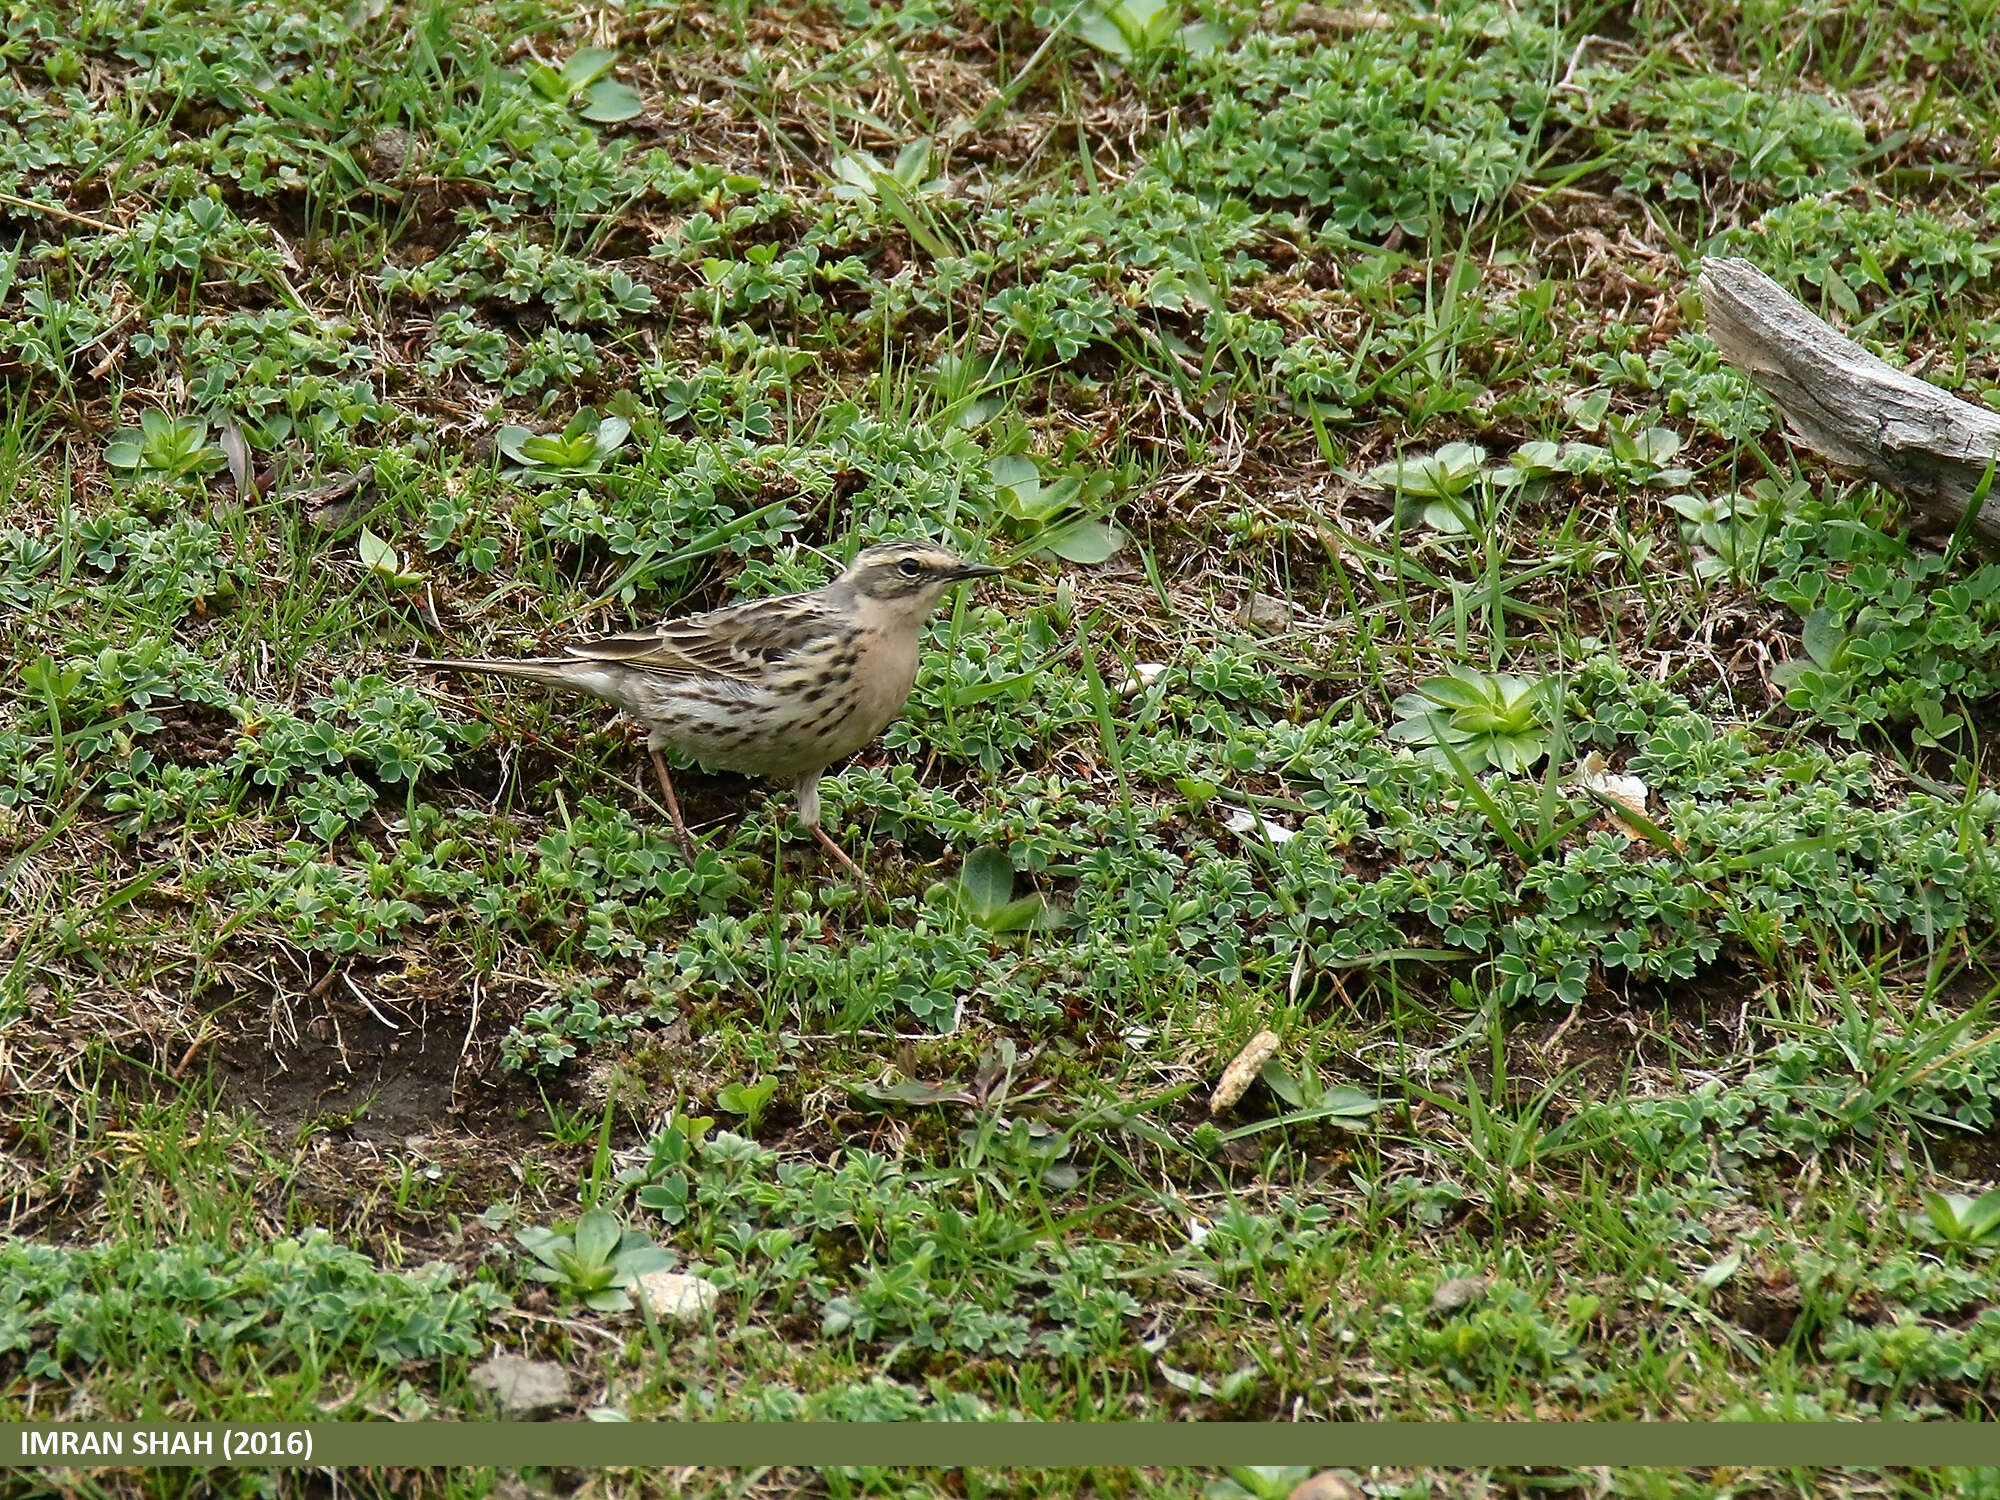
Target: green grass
<point>318,967</point>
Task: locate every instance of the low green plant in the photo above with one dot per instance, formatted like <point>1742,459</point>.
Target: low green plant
<point>748,1098</point>
<point>1061,313</point>
<point>714,401</point>
<point>1310,1102</point>
<point>1365,137</point>
<point>661,1182</point>
<point>582,447</point>
<point>1892,635</point>
<point>1453,490</point>
<point>381,558</point>
<point>1712,135</point>
<point>1963,1220</point>
<point>1139,33</point>
<point>1730,535</point>
<point>1633,451</point>
<point>1896,257</point>
<point>290,1303</point>
<point>1058,515</point>
<point>165,447</point>
<point>859,174</point>
<point>596,1262</point>
<point>1477,718</point>
<point>983,894</point>
<point>547,1036</point>
<point>581,84</point>
<point>1257,1482</point>
<point>1439,489</point>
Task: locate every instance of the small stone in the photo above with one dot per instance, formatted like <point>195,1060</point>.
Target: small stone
<point>1268,612</point>
<point>1457,1294</point>
<point>1245,823</point>
<point>527,1389</point>
<point>675,1297</point>
<point>389,152</point>
<point>1326,1485</point>
<point>332,502</point>
<point>1144,675</point>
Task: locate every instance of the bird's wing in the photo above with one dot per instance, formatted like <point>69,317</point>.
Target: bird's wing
<point>742,642</point>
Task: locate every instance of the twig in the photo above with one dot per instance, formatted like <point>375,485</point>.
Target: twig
<point>100,225</point>
<point>471,1027</point>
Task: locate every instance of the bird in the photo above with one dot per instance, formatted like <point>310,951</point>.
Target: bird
<point>779,687</point>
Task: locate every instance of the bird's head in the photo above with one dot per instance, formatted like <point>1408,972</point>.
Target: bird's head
<point>908,578</point>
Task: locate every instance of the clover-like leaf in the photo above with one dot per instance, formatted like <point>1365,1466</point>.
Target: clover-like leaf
<point>1023,915</point>
<point>1538,458</point>
<point>1015,474</point>
<point>548,1247</point>
<point>1961,1219</point>
<point>854,174</point>
<point>609,437</point>
<point>1344,1106</point>
<point>555,452</point>
<point>1445,474</point>
<point>639,1256</point>
<point>1128,29</point>
<point>378,554</point>
<point>1982,1216</point>
<point>984,895</point>
<point>911,163</point>
<point>597,1261</point>
<point>748,1099</point>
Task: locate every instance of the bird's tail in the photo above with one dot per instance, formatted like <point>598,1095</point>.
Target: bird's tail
<point>556,671</point>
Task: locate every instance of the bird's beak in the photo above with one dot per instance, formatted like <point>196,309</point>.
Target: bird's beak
<point>976,570</point>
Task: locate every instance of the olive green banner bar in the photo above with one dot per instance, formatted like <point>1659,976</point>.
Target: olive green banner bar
<point>1001,1445</point>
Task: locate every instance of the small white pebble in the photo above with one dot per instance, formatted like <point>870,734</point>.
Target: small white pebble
<point>1595,775</point>
<point>1144,675</point>
<point>1242,821</point>
<point>676,1298</point>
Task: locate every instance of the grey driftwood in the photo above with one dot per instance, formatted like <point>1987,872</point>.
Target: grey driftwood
<point>1929,448</point>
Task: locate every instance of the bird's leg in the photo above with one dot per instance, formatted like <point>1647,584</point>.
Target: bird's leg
<point>673,806</point>
<point>806,789</point>
<point>860,875</point>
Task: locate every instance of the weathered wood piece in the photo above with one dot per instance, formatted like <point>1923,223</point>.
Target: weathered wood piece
<point>1929,448</point>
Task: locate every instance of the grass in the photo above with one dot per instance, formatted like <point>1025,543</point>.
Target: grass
<point>1334,384</point>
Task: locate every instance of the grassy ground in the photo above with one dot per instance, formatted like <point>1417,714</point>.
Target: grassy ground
<point>1334,381</point>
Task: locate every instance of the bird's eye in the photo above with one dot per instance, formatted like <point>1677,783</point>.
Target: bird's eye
<point>909,567</point>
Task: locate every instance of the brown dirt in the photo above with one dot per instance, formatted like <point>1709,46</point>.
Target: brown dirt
<point>390,1083</point>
